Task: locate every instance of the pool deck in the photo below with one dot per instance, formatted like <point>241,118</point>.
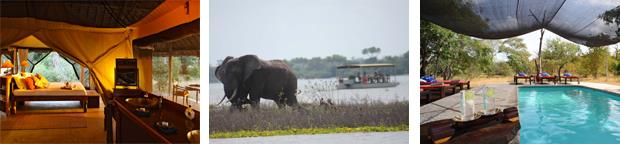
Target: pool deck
<point>506,96</point>
<point>448,107</point>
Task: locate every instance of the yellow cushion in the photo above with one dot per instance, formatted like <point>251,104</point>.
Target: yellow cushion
<point>25,74</point>
<point>40,81</point>
<point>19,81</point>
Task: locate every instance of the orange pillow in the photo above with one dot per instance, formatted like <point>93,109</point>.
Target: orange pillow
<point>29,83</point>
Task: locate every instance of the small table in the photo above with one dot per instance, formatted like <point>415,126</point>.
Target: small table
<point>194,87</point>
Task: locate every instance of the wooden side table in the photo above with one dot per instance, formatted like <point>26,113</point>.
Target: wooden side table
<point>196,88</point>
<point>5,92</point>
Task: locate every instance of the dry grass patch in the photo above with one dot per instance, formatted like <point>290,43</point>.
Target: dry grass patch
<point>374,114</point>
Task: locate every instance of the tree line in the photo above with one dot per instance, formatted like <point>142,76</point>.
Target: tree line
<point>325,67</point>
<point>446,54</point>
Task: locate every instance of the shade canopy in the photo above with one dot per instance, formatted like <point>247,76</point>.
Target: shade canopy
<point>364,66</point>
<point>587,22</point>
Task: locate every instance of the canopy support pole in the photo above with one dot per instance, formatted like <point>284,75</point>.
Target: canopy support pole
<point>170,82</point>
<point>542,33</point>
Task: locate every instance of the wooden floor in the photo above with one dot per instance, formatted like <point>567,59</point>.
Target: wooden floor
<point>93,133</point>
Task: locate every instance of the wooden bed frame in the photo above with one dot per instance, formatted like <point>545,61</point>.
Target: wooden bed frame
<point>45,96</point>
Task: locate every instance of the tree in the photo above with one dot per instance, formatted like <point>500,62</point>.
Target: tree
<point>372,51</point>
<point>595,59</point>
<point>517,54</point>
<point>468,56</point>
<point>434,41</point>
<point>559,53</point>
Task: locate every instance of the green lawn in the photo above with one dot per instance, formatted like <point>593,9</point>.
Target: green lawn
<point>295,131</point>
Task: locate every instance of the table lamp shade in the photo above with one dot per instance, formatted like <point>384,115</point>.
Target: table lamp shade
<point>7,64</point>
<point>24,63</point>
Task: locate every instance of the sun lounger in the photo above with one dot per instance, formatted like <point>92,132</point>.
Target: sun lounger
<point>441,89</point>
<point>526,77</point>
<point>569,78</point>
<point>457,83</point>
<point>540,79</point>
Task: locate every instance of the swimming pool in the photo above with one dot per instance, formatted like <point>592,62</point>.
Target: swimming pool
<point>568,114</point>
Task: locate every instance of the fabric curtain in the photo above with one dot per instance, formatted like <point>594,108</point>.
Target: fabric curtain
<point>145,67</point>
<point>93,48</point>
<point>97,51</point>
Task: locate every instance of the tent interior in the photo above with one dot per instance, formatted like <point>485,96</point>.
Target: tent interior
<point>81,41</point>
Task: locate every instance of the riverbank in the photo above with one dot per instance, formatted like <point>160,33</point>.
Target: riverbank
<point>320,119</point>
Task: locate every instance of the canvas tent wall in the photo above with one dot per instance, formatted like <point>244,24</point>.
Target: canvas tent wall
<point>89,39</point>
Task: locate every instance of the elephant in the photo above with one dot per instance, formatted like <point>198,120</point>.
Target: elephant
<point>248,74</point>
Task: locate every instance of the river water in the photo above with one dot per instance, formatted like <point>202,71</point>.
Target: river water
<point>314,89</point>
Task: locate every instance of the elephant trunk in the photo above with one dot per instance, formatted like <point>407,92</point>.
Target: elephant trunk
<point>232,97</point>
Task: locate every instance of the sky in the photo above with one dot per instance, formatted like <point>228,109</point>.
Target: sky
<point>286,29</point>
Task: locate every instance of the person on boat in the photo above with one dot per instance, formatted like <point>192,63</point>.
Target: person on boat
<point>358,79</point>
<point>365,78</point>
<point>351,77</point>
<point>382,75</point>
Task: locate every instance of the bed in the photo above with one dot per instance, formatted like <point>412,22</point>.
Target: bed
<point>54,92</point>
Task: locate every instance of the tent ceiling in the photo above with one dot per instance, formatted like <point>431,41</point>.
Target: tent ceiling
<point>187,46</point>
<point>30,42</point>
<point>100,13</point>
<point>183,40</point>
<point>587,22</point>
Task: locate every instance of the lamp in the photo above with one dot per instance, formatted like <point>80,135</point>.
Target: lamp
<point>24,64</point>
<point>6,65</point>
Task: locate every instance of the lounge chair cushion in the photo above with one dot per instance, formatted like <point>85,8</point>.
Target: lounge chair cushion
<point>429,79</point>
<point>545,74</point>
<point>521,74</point>
<point>40,81</point>
<point>29,81</point>
<point>568,74</point>
<point>19,81</point>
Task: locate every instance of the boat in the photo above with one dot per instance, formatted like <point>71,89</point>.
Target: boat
<point>362,80</point>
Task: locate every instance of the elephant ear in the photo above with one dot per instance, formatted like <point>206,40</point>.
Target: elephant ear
<point>218,73</point>
<point>251,63</point>
<point>227,59</point>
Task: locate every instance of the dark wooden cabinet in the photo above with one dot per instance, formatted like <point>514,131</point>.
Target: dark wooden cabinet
<point>131,128</point>
<point>5,88</point>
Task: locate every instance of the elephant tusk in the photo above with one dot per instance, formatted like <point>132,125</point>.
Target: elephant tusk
<point>233,96</point>
<point>221,101</point>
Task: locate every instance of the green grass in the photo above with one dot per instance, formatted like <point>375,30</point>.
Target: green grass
<point>295,131</point>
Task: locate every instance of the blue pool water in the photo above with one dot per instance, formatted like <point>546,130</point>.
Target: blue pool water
<point>566,115</point>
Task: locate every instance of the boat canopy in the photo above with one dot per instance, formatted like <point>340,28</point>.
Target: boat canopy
<point>347,66</point>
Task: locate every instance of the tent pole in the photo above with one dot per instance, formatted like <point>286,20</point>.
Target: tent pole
<point>15,63</point>
<point>170,82</point>
<point>81,74</point>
